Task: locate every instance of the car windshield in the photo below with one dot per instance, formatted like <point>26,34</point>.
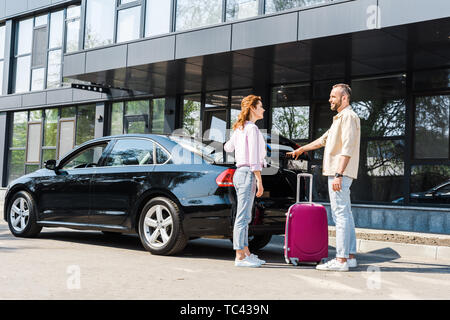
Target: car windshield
<point>196,146</point>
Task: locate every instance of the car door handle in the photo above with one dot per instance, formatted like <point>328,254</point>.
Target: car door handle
<point>139,178</point>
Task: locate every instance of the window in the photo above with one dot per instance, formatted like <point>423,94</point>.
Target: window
<point>128,152</point>
<point>276,5</point>
<point>87,158</point>
<point>73,28</point>
<point>157,17</point>
<point>432,122</point>
<point>215,119</point>
<point>140,116</point>
<point>241,9</point>
<point>191,114</point>
<point>161,155</point>
<point>290,111</point>
<point>2,54</point>
<point>129,24</point>
<point>85,124</point>
<point>99,27</point>
<point>197,13</point>
<point>23,55</point>
<point>427,177</point>
<point>236,99</point>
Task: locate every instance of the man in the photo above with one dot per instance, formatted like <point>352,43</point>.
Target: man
<point>340,164</point>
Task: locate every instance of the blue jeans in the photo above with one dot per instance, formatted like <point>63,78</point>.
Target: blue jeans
<point>245,184</point>
<point>341,212</point>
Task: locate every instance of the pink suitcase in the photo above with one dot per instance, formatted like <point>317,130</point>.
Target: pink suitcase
<point>306,234</point>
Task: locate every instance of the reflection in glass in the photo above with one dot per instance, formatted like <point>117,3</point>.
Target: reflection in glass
<point>137,107</point>
<point>22,74</point>
<point>191,115</point>
<point>430,184</point>
<point>380,104</point>
<point>280,5</point>
<point>56,29</point>
<point>131,152</point>
<point>68,112</point>
<point>157,17</point>
<point>73,12</point>
<point>236,98</point>
<point>35,115</point>
<point>432,127</point>
<point>24,38</point>
<point>48,154</point>
<point>72,36</point>
<point>197,13</point>
<point>40,20</point>
<point>19,134</point>
<point>29,168</point>
<point>290,111</point>
<point>1,77</point>
<point>117,118</point>
<point>99,23</point>
<point>54,69</point>
<point>215,125</point>
<point>37,79</point>
<point>2,41</point>
<point>50,128</point>
<point>128,25</point>
<point>241,9</point>
<point>85,124</point>
<point>159,106</point>
<point>16,164</point>
<point>216,99</point>
<point>436,79</point>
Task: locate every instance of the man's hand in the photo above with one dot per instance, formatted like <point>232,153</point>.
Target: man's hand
<point>337,184</point>
<point>296,153</point>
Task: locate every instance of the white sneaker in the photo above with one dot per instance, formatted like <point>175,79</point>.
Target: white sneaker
<point>352,263</point>
<point>247,262</point>
<point>333,265</point>
<point>255,258</point>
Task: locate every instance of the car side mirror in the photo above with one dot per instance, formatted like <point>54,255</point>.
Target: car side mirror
<point>50,165</point>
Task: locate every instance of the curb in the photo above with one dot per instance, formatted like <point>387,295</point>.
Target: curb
<point>389,249</point>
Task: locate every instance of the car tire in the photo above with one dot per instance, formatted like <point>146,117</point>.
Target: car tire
<point>22,215</point>
<point>257,242</point>
<point>160,227</point>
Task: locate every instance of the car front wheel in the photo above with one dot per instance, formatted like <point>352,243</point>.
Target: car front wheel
<point>160,227</point>
<point>22,216</point>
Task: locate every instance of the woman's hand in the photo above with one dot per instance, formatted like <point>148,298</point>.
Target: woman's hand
<point>260,187</point>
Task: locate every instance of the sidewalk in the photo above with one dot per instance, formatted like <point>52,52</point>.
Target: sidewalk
<point>390,243</point>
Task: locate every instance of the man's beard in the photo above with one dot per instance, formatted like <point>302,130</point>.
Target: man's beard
<point>337,105</point>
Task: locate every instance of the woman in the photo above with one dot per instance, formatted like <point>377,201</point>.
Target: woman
<point>250,150</point>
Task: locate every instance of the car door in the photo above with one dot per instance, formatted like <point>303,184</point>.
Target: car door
<point>120,180</point>
<point>64,195</point>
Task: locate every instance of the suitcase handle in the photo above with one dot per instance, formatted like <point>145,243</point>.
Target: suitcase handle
<point>310,176</point>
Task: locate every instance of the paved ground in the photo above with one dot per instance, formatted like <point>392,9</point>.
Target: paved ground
<point>66,264</point>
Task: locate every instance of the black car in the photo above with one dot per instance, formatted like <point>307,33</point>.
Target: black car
<point>167,189</point>
<point>439,194</point>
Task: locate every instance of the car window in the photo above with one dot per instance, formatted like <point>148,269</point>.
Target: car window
<point>131,152</point>
<point>86,158</point>
<point>161,155</point>
<point>444,189</point>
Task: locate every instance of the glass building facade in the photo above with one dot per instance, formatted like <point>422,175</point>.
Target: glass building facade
<point>400,92</point>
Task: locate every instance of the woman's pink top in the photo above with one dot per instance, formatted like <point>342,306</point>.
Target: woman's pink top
<point>249,147</point>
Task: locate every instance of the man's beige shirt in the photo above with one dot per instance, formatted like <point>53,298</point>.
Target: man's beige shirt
<point>342,139</point>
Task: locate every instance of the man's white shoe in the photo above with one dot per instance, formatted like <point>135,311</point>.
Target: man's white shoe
<point>333,265</point>
<point>352,263</point>
<point>255,258</point>
<point>247,262</point>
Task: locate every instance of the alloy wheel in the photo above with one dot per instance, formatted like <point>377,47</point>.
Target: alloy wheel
<point>20,214</point>
<point>158,226</point>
